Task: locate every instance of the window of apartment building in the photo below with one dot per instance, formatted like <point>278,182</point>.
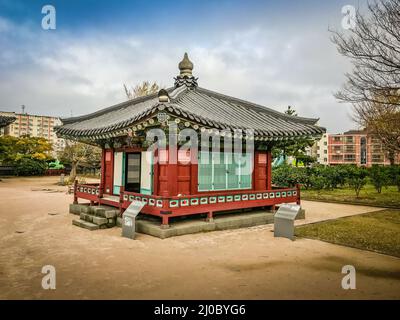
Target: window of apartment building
<point>377,158</point>
<point>325,143</point>
<point>349,158</point>
<point>349,139</point>
<point>325,159</point>
<point>337,157</point>
<point>349,149</point>
<point>336,139</point>
<point>376,148</point>
<point>325,151</point>
<point>337,149</point>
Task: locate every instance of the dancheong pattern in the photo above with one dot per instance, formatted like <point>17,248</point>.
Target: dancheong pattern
<point>195,201</point>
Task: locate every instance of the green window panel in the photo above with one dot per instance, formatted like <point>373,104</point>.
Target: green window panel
<point>245,171</point>
<point>224,172</point>
<point>205,171</point>
<point>219,171</point>
<point>232,172</point>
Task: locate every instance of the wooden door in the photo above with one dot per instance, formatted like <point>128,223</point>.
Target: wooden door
<point>132,172</point>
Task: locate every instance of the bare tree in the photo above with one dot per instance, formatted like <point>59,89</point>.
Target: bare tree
<point>373,46</point>
<point>77,153</point>
<point>140,90</point>
<point>373,86</point>
<point>383,121</point>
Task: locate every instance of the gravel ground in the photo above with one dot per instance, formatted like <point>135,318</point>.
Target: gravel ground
<point>36,230</point>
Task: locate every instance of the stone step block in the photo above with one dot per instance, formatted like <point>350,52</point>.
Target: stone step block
<point>86,217</point>
<point>105,212</point>
<point>85,224</point>
<point>99,220</point>
<point>77,208</point>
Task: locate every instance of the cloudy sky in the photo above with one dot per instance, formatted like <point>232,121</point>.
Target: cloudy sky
<point>276,53</point>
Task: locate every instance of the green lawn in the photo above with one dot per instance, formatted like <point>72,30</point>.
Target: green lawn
<point>389,197</point>
<point>376,231</point>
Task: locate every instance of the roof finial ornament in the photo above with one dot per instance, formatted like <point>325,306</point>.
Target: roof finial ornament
<point>185,76</point>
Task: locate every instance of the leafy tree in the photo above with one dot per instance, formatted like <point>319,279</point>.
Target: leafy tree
<point>357,178</point>
<point>28,155</point>
<point>144,89</point>
<point>305,159</point>
<point>379,177</point>
<point>394,176</point>
<point>318,182</point>
<point>30,167</point>
<point>77,153</point>
<point>296,148</point>
<point>13,149</point>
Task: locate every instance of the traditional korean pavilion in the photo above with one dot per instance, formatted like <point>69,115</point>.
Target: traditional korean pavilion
<point>174,182</point>
<point>6,120</point>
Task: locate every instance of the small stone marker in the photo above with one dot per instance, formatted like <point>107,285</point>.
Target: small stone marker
<point>284,220</point>
<point>128,219</point>
<point>62,179</point>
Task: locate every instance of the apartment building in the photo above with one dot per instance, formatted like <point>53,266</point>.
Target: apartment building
<point>35,126</point>
<point>356,147</point>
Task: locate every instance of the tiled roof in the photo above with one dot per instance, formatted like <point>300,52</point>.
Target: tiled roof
<point>6,120</point>
<point>205,107</point>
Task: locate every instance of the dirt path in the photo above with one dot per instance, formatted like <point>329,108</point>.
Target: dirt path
<point>235,264</point>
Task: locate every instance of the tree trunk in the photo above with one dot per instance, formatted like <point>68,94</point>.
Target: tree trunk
<point>391,156</point>
<point>72,174</point>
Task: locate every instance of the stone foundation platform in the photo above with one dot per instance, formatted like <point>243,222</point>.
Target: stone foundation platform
<point>94,217</point>
<point>98,217</point>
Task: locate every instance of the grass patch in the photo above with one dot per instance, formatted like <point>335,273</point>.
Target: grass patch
<point>376,231</point>
<point>389,197</point>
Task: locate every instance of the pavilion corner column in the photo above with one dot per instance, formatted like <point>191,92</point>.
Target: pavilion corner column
<point>173,160</point>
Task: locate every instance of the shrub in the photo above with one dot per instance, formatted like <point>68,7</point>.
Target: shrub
<point>378,176</point>
<point>30,167</point>
<point>318,182</point>
<point>394,176</point>
<point>280,176</point>
<point>357,178</point>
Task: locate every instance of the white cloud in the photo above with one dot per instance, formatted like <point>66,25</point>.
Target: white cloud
<point>54,73</point>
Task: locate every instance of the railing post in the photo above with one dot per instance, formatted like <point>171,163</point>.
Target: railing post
<point>75,190</point>
<point>121,198</point>
<point>298,193</point>
<point>101,191</point>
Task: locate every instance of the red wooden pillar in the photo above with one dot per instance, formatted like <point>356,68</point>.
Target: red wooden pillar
<point>172,171</point>
<point>194,167</point>
<point>156,174</point>
<point>121,198</point>
<point>269,170</point>
<point>75,190</point>
<point>210,217</point>
<point>298,194</point>
<point>165,224</point>
<point>103,171</point>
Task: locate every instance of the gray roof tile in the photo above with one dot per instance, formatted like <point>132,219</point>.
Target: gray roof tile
<point>197,104</point>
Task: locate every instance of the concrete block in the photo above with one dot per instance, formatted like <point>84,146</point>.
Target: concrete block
<point>110,213</point>
<point>119,222</point>
<point>99,220</point>
<point>75,208</point>
<point>86,209</point>
<point>85,217</point>
<point>84,224</point>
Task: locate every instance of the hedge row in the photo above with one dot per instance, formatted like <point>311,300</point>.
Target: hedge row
<point>320,177</point>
